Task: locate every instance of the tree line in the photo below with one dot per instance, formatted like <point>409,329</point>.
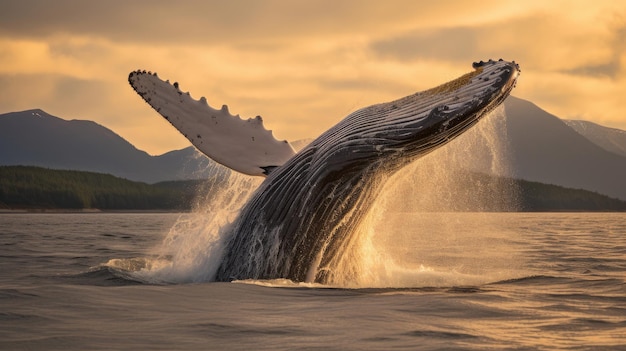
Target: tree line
<point>27,187</point>
<point>536,196</point>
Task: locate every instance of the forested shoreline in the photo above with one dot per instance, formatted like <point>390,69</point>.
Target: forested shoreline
<point>40,189</point>
<point>32,188</point>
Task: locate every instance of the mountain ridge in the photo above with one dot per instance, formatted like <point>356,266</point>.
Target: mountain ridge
<point>36,138</point>
<point>542,148</point>
<point>610,139</point>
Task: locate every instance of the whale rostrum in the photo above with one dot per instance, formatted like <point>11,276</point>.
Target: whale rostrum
<point>301,223</point>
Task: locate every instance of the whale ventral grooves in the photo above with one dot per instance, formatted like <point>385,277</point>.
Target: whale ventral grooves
<point>302,222</point>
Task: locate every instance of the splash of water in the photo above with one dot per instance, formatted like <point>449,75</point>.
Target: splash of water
<point>403,242</point>
<point>465,175</point>
<point>436,222</point>
<point>192,250</point>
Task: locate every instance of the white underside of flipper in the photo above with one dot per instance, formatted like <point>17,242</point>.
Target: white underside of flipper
<point>242,145</point>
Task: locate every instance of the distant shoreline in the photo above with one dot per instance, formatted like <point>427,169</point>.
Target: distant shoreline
<point>25,189</point>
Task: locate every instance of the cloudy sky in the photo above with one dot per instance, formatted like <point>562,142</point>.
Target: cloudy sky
<point>302,65</point>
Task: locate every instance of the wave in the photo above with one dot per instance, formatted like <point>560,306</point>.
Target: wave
<point>102,276</point>
<point>532,279</point>
<point>401,278</point>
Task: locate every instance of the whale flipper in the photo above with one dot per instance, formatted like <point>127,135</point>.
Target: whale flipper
<point>242,145</point>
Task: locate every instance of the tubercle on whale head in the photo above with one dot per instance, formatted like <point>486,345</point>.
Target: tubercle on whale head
<point>494,95</point>
<point>449,109</point>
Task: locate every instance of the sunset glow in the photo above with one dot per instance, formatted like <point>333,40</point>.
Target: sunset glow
<point>302,66</point>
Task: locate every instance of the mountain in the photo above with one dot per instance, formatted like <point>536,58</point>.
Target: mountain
<point>542,148</point>
<point>36,138</point>
<point>610,139</point>
<point>545,149</point>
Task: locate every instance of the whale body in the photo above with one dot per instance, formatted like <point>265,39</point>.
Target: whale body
<point>301,223</point>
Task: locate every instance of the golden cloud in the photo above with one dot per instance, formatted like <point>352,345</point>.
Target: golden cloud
<point>298,64</point>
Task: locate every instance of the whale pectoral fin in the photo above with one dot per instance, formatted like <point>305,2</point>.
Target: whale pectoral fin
<point>242,145</point>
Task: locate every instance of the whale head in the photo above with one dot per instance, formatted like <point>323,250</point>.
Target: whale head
<point>394,133</point>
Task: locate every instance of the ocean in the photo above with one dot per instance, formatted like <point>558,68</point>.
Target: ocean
<point>435,281</point>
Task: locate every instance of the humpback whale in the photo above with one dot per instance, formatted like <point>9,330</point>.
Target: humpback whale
<point>302,222</point>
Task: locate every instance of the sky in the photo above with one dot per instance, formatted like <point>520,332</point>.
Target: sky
<point>302,65</point>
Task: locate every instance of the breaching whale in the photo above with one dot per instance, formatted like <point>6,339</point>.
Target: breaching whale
<point>301,223</point>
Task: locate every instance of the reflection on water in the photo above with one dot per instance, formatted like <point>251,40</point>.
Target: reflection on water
<point>571,295</point>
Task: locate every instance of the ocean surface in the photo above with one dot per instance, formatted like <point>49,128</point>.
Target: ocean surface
<point>436,281</point>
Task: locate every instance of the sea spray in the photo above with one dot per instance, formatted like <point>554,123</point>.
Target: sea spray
<point>467,175</point>
<point>435,205</point>
<point>192,249</point>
